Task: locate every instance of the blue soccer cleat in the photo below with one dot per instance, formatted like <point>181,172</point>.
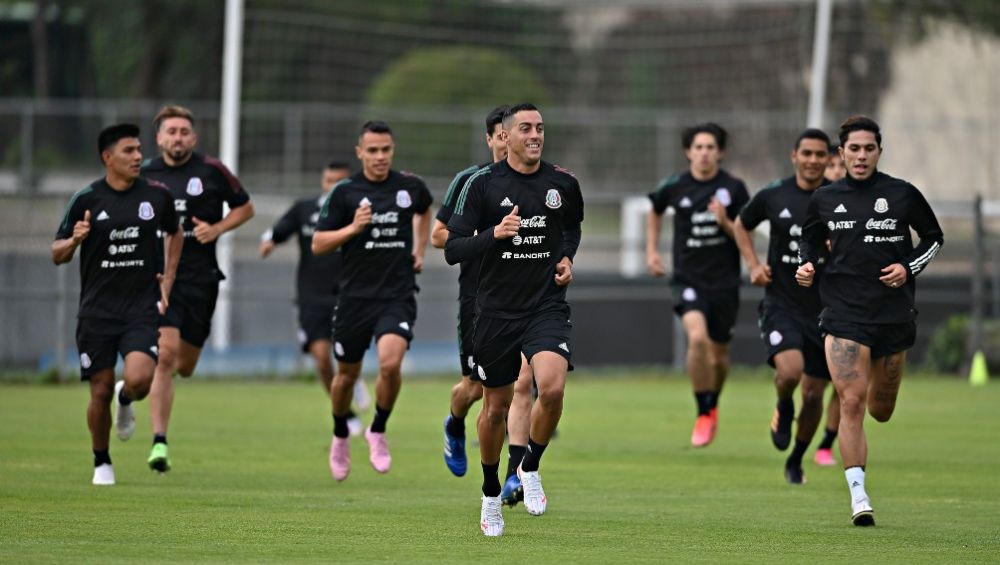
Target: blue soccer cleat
<point>512,492</point>
<point>454,452</point>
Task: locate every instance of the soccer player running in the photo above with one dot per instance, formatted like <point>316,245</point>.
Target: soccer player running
<point>706,271</point>
<point>469,390</point>
<point>521,218</point>
<point>317,283</point>
<point>868,288</point>
<point>789,312</point>
<point>379,219</point>
<point>835,170</point>
<point>199,185</point>
<point>116,222</point>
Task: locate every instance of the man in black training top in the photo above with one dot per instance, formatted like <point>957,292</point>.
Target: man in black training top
<point>379,219</point>
<point>117,221</point>
<point>835,170</point>
<point>317,283</point>
<point>470,389</point>
<point>199,185</point>
<point>867,288</point>
<point>521,217</point>
<point>706,274</point>
<point>789,313</point>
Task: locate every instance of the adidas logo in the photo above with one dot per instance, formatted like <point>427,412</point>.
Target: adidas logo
<point>405,326</point>
<point>785,214</point>
<point>840,209</point>
<point>685,202</point>
<point>155,350</point>
<point>855,484</point>
<point>365,202</point>
<point>506,203</point>
<point>564,347</point>
<point>103,216</point>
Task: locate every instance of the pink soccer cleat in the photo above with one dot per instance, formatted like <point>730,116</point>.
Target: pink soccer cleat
<point>378,451</point>
<point>340,457</point>
<point>824,458</point>
<point>703,432</point>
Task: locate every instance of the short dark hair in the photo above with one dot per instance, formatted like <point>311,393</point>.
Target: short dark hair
<point>113,134</point>
<point>495,117</point>
<point>172,111</point>
<point>374,126</point>
<point>716,131</point>
<point>338,165</point>
<point>860,123</point>
<point>509,114</point>
<point>813,133</point>
<point>833,147</point>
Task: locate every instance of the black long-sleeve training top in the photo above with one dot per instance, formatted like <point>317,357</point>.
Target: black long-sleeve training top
<point>868,223</point>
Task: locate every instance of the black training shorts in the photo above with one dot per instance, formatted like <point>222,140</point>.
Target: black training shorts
<point>101,340</point>
<point>782,330</point>
<point>358,320</point>
<point>315,323</point>
<point>499,342</point>
<point>882,339</point>
<point>190,311</point>
<point>719,307</point>
<point>466,329</point>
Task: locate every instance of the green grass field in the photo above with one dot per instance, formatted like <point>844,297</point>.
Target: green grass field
<point>251,482</point>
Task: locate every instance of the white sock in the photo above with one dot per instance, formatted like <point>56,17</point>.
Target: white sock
<point>856,481</point>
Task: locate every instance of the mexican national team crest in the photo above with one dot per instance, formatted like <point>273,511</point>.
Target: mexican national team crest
<point>146,211</point>
<point>723,195</point>
<point>403,199</point>
<point>194,187</point>
<point>552,199</point>
<point>881,206</point>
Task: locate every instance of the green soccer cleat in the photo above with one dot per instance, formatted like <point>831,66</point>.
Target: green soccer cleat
<point>159,460</point>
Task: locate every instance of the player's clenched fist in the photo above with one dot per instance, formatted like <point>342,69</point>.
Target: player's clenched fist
<point>804,274</point>
<point>362,217</point>
<point>81,229</point>
<point>508,226</point>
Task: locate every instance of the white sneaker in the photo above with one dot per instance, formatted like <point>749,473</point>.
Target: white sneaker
<point>104,475</point>
<point>124,415</point>
<point>362,400</point>
<point>354,426</point>
<point>863,515</point>
<point>490,517</point>
<point>534,496</point>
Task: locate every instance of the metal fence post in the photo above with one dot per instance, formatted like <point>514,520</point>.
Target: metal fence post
<point>978,274</point>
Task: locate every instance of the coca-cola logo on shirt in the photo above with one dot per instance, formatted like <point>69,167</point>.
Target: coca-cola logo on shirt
<point>130,232</point>
<point>886,224</point>
<point>533,222</point>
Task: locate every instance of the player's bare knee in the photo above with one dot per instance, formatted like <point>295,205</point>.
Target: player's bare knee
<point>551,396</point>
<point>167,359</point>
<point>881,411</point>
<point>698,341</point>
<point>852,407</point>
<point>786,379</point>
<point>390,368</point>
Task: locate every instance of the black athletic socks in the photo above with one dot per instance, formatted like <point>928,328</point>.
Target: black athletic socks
<point>101,457</point>
<point>122,399</point>
<point>706,400</point>
<point>515,454</point>
<point>381,417</point>
<point>159,438</point>
<point>829,437</point>
<point>795,457</point>
<point>491,480</point>
<point>340,426</point>
<point>532,456</point>
<point>455,426</point>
